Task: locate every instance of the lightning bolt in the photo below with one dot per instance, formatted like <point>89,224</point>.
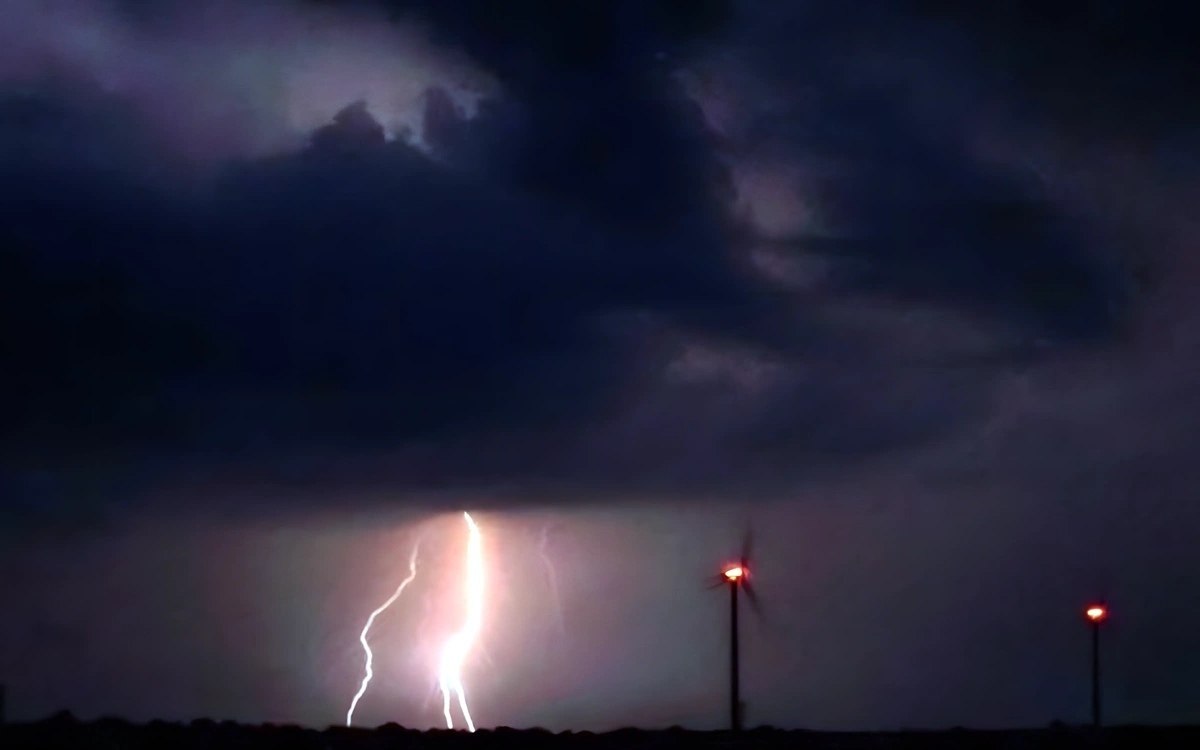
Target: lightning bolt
<point>552,579</point>
<point>459,644</point>
<point>362,638</point>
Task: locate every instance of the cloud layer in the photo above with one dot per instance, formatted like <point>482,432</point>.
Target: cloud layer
<point>220,79</point>
<point>607,275</point>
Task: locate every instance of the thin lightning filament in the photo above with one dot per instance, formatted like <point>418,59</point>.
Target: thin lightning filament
<point>362,638</point>
<point>459,644</point>
<point>552,579</point>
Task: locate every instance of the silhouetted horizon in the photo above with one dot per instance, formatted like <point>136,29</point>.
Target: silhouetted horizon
<point>63,730</point>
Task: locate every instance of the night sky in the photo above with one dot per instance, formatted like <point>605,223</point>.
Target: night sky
<point>909,287</point>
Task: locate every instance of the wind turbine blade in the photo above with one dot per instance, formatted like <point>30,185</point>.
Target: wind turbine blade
<point>752,595</point>
<point>747,545</point>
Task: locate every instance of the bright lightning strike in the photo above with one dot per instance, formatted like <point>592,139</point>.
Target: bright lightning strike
<point>459,645</point>
<point>362,638</point>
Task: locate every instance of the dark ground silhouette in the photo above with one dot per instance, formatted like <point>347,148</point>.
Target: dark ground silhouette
<point>63,731</point>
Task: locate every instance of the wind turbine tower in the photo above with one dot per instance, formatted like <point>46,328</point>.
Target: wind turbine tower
<point>737,577</point>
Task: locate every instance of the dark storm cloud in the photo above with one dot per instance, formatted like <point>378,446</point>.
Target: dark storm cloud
<point>503,313</point>
<point>882,105</point>
<point>1085,60</point>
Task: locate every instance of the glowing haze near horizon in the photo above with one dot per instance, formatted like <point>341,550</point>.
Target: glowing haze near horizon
<point>910,287</point>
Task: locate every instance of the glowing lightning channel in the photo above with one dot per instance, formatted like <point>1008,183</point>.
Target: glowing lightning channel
<point>362,638</point>
<point>552,579</point>
<point>455,651</point>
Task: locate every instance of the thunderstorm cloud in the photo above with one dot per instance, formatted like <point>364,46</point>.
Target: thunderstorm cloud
<point>583,277</point>
<point>928,263</point>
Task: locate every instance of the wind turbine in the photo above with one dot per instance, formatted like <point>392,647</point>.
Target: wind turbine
<point>736,575</point>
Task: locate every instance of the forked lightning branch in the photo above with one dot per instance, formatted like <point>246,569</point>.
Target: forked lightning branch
<point>458,644</point>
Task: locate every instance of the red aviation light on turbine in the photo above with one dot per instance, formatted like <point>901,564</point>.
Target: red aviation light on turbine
<point>1096,613</point>
<point>735,573</point>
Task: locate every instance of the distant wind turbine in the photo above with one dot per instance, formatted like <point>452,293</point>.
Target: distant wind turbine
<point>737,576</point>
